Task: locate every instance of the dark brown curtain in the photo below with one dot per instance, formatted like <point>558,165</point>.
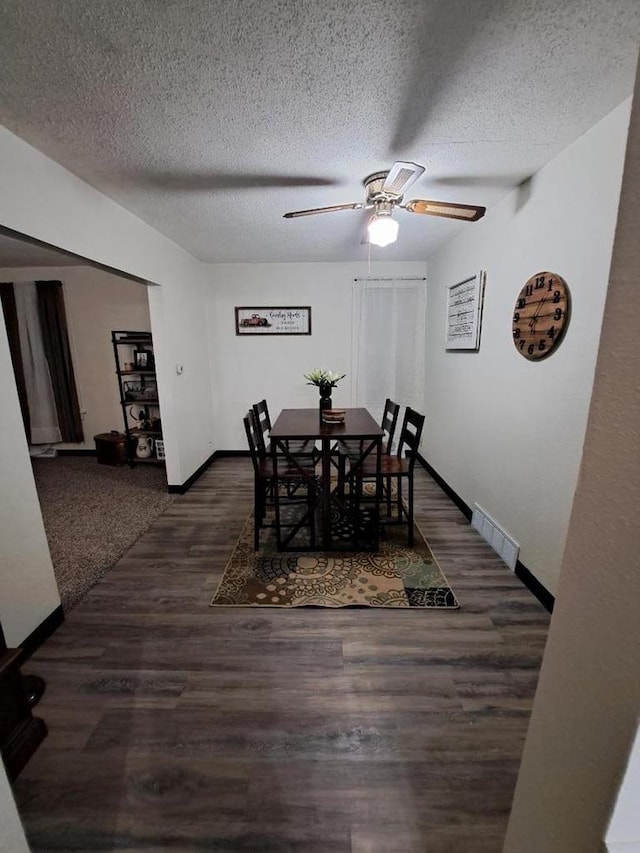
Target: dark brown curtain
<point>53,323</point>
<point>11,321</point>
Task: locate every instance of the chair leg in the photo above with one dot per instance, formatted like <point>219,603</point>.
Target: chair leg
<point>277,519</point>
<point>257,514</point>
<point>410,508</point>
<point>358,492</point>
<point>342,473</point>
<point>283,542</point>
<point>311,505</point>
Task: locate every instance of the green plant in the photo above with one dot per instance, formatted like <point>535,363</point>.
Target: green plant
<point>320,377</point>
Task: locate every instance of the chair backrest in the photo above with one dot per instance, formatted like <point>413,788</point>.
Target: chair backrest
<point>389,422</point>
<point>263,423</point>
<point>253,440</point>
<point>410,434</point>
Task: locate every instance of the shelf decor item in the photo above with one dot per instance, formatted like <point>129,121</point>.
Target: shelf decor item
<point>131,390</point>
<point>144,447</point>
<point>135,362</point>
<point>143,358</point>
<point>325,380</point>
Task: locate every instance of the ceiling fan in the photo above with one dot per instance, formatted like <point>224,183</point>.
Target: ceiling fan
<point>384,191</point>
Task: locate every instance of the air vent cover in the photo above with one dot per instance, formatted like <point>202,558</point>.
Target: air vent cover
<point>506,548</point>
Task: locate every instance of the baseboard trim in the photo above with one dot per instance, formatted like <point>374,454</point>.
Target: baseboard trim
<point>535,587</point>
<point>181,489</point>
<point>464,508</point>
<point>221,454</point>
<point>43,631</point>
<point>521,571</point>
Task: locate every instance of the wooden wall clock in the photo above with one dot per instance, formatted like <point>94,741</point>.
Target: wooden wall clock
<point>541,315</point>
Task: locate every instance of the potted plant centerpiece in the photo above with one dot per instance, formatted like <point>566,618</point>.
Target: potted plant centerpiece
<point>325,380</point>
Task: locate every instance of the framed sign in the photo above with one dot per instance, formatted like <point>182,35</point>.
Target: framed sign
<point>273,321</point>
<point>464,313</point>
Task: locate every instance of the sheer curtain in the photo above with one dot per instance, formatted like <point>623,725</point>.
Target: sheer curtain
<point>35,318</point>
<point>42,404</point>
<point>388,354</point>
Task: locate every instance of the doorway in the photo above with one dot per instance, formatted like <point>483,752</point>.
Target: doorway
<point>91,512</point>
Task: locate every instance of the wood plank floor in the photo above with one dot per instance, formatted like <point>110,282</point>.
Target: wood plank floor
<point>176,726</point>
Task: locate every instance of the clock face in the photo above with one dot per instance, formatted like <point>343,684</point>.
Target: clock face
<point>540,315</point>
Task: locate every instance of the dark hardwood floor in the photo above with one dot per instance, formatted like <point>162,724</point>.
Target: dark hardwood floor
<point>176,726</point>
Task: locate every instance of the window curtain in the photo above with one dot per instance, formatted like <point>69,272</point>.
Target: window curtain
<point>389,332</point>
<point>10,313</point>
<point>39,343</point>
<point>55,340</point>
<point>42,404</point>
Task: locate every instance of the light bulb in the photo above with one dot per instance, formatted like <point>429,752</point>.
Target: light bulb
<point>382,230</point>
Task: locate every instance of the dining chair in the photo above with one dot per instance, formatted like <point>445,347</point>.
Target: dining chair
<point>263,421</point>
<point>394,468</point>
<point>388,423</point>
<point>352,449</point>
<point>270,472</point>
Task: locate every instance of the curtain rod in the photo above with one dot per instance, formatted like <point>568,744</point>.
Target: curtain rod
<point>392,278</point>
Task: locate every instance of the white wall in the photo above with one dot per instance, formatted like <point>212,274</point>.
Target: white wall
<point>623,834</point>
<point>28,589</point>
<point>585,715</point>
<point>96,302</point>
<point>248,368</point>
<point>502,431</point>
<point>41,199</point>
<point>12,838</point>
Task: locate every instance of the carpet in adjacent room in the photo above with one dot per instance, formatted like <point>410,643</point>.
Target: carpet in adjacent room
<point>92,514</point>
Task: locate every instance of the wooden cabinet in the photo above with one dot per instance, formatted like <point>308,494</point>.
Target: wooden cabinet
<point>20,731</point>
<point>138,388</point>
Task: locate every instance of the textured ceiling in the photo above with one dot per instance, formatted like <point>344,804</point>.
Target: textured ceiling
<point>209,119</point>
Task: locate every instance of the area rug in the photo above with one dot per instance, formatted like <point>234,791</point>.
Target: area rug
<point>393,576</point>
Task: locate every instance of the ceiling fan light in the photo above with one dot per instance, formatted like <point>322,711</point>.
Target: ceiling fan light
<point>383,230</point>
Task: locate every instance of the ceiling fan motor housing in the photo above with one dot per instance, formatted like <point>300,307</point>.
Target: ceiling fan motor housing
<point>375,194</point>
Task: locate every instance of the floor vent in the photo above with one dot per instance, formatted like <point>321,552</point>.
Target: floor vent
<point>500,541</point>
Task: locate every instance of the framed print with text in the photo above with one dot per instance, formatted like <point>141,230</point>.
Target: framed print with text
<point>464,313</point>
<point>273,321</point>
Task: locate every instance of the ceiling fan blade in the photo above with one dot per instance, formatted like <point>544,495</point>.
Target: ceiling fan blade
<point>354,206</point>
<point>401,176</point>
<point>467,212</point>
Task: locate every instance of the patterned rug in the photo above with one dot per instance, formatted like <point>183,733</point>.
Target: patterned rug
<point>393,576</point>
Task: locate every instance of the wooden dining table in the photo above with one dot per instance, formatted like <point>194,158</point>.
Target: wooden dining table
<point>307,425</point>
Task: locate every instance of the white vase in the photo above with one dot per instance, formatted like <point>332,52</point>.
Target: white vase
<point>144,448</point>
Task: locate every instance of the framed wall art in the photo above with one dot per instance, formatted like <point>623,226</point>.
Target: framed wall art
<point>464,313</point>
<point>141,359</point>
<point>273,321</point>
